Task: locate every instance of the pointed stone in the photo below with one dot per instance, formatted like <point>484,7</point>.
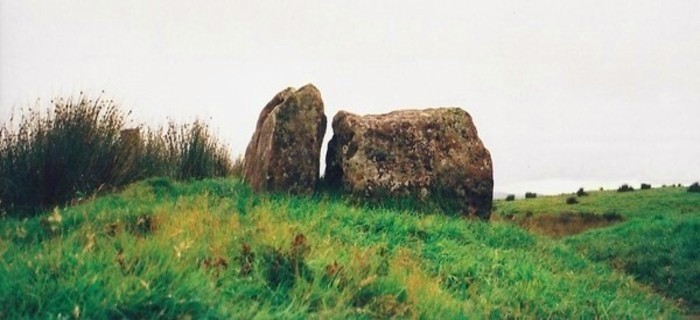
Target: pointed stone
<point>284,153</point>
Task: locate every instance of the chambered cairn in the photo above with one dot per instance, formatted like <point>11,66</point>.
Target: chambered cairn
<point>283,154</point>
<point>426,155</point>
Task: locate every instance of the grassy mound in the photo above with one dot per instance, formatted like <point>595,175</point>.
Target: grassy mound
<point>213,248</point>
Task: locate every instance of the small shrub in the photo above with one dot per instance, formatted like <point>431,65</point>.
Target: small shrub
<point>510,197</point>
<point>612,216</point>
<point>571,200</point>
<point>581,193</point>
<point>645,186</point>
<point>695,187</point>
<point>625,188</point>
<point>530,195</point>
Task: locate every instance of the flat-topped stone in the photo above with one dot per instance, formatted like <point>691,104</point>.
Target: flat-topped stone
<point>429,155</point>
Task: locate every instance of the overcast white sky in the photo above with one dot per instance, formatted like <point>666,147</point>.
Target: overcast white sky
<point>563,93</point>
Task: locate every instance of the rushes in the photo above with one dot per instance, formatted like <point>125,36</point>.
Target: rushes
<point>183,152</point>
<point>80,146</point>
<point>68,151</point>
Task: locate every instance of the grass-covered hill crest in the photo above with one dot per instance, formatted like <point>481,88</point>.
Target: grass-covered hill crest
<point>213,248</point>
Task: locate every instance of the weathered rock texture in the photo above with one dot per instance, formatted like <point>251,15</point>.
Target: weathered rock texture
<point>284,153</point>
<point>429,155</point>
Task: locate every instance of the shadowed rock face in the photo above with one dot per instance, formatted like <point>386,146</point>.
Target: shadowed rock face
<point>429,155</point>
<point>284,153</point>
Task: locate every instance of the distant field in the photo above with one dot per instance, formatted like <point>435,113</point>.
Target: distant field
<point>215,249</point>
<point>639,203</point>
<point>654,235</point>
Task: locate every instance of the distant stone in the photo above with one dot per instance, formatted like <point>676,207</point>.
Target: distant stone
<point>284,152</point>
<point>131,138</point>
<point>428,155</point>
<point>130,144</point>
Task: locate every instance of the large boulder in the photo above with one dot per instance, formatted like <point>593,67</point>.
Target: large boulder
<point>284,153</point>
<point>429,155</point>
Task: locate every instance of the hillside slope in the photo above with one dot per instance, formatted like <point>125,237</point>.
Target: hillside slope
<point>214,249</point>
<point>655,237</point>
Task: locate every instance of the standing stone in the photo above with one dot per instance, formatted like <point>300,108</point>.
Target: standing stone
<point>284,153</point>
<point>130,140</point>
<point>428,155</point>
<point>130,144</point>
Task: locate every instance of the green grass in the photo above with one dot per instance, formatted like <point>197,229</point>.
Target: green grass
<point>662,251</point>
<point>214,249</point>
<point>658,244</point>
<point>639,203</point>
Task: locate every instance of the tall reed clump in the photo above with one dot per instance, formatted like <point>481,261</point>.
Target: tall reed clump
<point>73,149</point>
<point>79,147</point>
<point>183,152</point>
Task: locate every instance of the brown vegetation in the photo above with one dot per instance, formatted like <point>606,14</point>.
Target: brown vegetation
<point>562,224</point>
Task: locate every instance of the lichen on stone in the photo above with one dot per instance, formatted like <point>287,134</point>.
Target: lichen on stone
<point>283,154</point>
<point>428,155</point>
